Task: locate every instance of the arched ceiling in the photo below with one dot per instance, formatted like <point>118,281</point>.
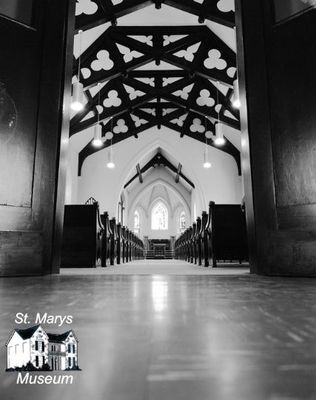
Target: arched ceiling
<point>180,77</point>
<point>159,160</point>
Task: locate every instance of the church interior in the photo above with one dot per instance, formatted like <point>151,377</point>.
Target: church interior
<point>158,187</point>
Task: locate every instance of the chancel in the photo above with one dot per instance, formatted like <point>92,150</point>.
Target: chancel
<point>158,198</point>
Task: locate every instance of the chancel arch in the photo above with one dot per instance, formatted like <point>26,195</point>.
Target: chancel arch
<point>183,197</point>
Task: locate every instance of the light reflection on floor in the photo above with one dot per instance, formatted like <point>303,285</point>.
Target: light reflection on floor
<point>156,337</point>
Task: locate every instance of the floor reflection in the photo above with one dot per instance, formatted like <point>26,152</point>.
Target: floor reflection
<point>159,294</point>
<point>174,337</point>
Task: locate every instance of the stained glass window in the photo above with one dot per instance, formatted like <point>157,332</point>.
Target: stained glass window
<point>136,222</point>
<point>182,222</point>
<point>159,217</point>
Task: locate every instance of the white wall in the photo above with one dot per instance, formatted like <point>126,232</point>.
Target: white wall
<point>221,183</point>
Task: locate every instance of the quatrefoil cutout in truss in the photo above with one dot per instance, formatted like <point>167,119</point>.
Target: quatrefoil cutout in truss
<point>133,93</point>
<point>188,53</point>
<point>99,109</point>
<point>127,53</point>
<point>184,93</point>
<point>179,121</point>
<point>108,136</point>
<point>147,81</point>
<point>87,7</point>
<point>218,107</point>
<point>167,111</point>
<point>167,39</point>
<point>231,71</point>
<point>205,99</point>
<point>86,73</point>
<point>226,5</point>
<point>197,126</point>
<point>112,100</point>
<point>150,111</point>
<point>143,39</point>
<point>103,61</point>
<point>214,60</point>
<point>138,121</point>
<point>120,127</point>
<point>167,81</point>
<point>209,134</point>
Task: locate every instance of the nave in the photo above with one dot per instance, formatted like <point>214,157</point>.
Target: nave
<point>150,142</point>
<point>242,337</point>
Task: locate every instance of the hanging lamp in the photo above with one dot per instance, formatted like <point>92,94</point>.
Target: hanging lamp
<point>206,162</point>
<point>110,162</point>
<point>97,135</point>
<point>219,135</point>
<point>77,91</point>
<point>236,99</point>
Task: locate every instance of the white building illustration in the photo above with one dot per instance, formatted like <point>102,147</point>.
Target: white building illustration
<point>36,346</point>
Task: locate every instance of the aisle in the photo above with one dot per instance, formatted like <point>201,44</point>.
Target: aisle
<point>160,267</point>
<point>172,337</point>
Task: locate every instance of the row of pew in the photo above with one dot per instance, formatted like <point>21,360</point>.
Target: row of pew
<point>117,243</point>
<point>91,239</point>
<point>219,235</point>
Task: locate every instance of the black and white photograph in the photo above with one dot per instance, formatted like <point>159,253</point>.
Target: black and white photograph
<point>158,199</point>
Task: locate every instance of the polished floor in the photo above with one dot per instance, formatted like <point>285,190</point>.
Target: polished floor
<point>161,267</point>
<point>173,337</point>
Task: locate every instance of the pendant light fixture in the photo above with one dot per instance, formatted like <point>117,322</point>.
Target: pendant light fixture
<point>77,91</point>
<point>236,99</point>
<point>219,136</point>
<point>110,163</point>
<point>206,161</point>
<point>97,135</point>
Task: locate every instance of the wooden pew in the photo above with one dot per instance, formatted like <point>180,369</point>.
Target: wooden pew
<point>219,234</point>
<point>105,240</point>
<point>198,239</point>
<point>89,236</point>
<point>205,239</point>
<point>81,246</point>
<point>228,233</point>
<point>118,243</point>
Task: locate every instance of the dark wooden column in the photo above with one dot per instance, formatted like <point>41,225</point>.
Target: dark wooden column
<point>277,78</point>
<point>35,76</point>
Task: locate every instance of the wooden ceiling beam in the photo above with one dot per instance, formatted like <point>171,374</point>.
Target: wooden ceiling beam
<point>139,173</point>
<point>104,14</point>
<point>178,173</point>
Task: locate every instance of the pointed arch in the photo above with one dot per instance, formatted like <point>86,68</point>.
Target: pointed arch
<point>136,222</point>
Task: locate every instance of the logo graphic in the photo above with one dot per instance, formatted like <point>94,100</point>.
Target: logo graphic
<point>34,349</point>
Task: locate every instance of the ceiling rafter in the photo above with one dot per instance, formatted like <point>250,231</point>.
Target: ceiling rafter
<point>121,35</point>
<point>228,147</point>
<point>106,11</point>
<point>183,98</point>
<point>158,160</point>
<point>79,122</point>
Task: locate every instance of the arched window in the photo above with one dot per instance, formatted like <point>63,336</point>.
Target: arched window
<point>136,222</point>
<point>182,222</point>
<point>159,217</point>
